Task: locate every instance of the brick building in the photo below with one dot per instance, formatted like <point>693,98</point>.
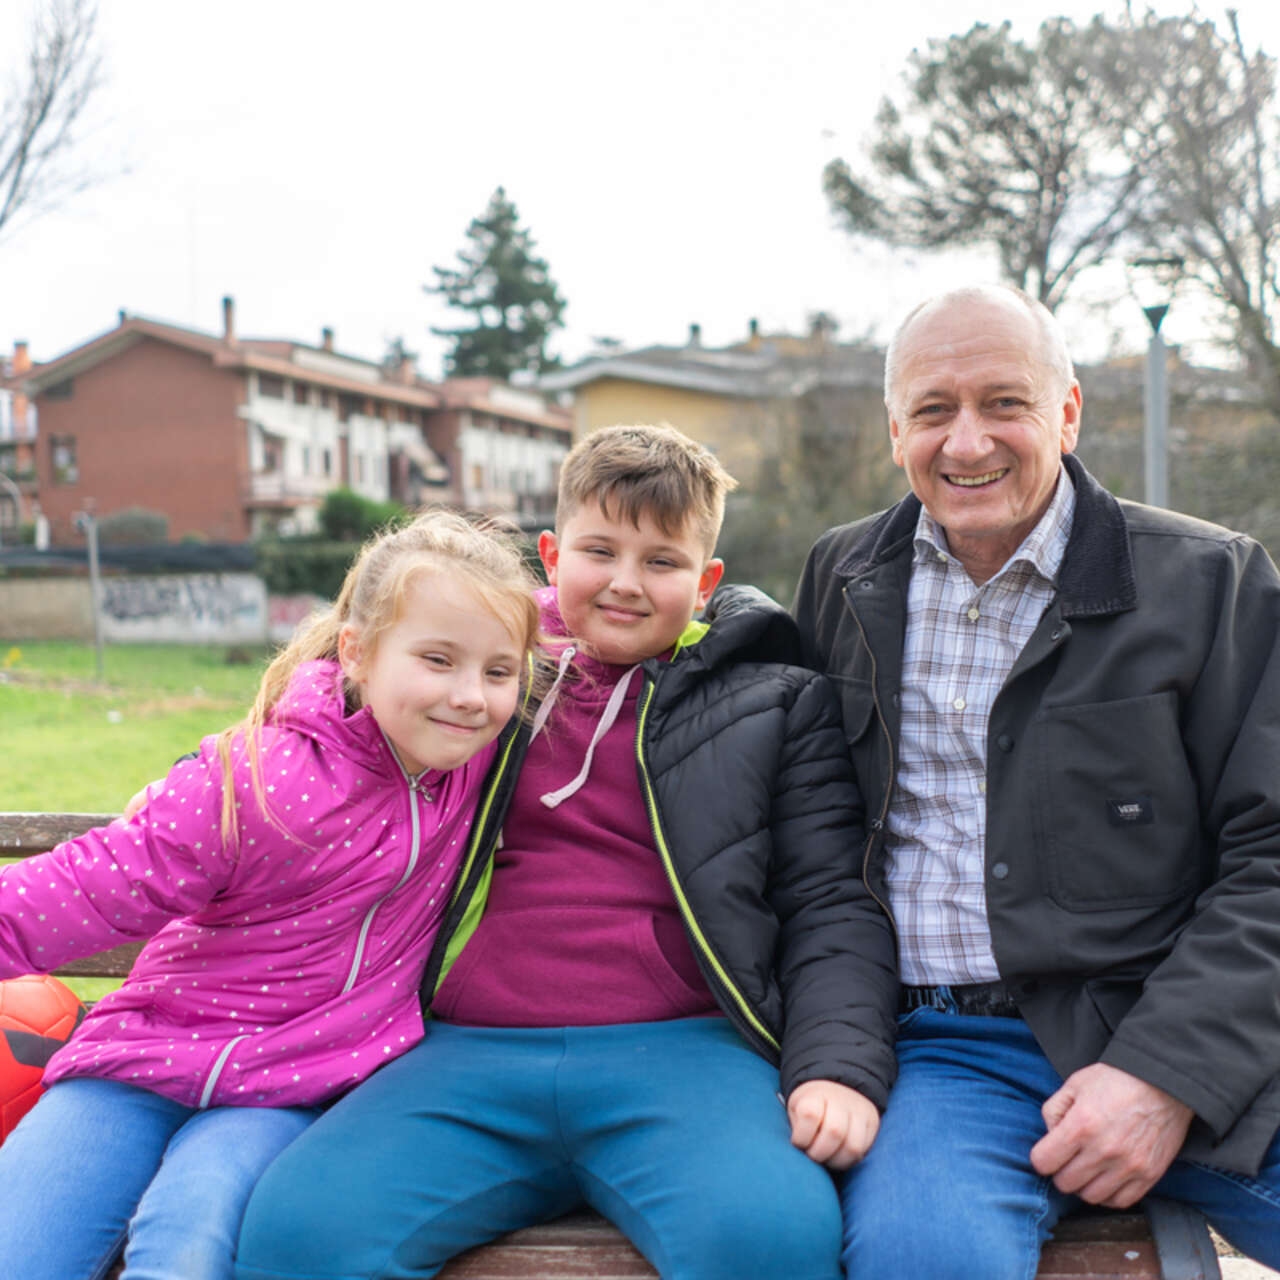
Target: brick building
<point>17,445</point>
<point>229,437</point>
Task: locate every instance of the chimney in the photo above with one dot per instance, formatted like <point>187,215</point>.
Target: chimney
<point>326,339</point>
<point>122,315</point>
<point>695,335</point>
<point>406,371</point>
<point>21,359</point>
<point>228,319</point>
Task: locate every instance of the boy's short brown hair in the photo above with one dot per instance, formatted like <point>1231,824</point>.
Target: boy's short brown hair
<point>655,471</point>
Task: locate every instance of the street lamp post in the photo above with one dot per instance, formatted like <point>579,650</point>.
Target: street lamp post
<point>1155,461</point>
<point>87,522</point>
<point>1154,280</point>
<point>12,491</point>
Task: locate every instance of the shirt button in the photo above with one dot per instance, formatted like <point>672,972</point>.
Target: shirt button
<point>1000,870</point>
<point>974,615</point>
<point>959,704</point>
<point>942,555</point>
<point>982,788</point>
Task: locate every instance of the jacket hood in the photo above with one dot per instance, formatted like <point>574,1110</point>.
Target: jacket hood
<point>314,704</point>
<point>742,624</point>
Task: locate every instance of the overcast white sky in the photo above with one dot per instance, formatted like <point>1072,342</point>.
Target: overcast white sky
<point>314,158</point>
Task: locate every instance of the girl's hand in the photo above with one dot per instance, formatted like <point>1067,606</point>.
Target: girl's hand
<point>831,1123</point>
<point>139,798</point>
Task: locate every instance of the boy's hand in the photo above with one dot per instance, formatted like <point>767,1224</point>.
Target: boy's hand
<point>831,1123</point>
<point>140,798</point>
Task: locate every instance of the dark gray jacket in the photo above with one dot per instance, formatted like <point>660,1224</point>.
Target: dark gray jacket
<point>1133,795</point>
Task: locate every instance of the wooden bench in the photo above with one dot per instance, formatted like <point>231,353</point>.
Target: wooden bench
<point>1166,1242</point>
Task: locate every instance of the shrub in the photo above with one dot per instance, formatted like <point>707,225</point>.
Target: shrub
<point>133,527</point>
<point>345,516</point>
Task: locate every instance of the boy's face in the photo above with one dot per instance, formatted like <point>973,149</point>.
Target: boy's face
<point>626,593</point>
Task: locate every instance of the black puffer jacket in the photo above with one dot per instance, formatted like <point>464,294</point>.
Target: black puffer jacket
<point>756,817</point>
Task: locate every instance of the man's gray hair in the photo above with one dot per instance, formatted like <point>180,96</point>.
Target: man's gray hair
<point>1053,340</point>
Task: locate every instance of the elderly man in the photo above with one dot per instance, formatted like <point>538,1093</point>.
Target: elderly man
<point>1065,713</point>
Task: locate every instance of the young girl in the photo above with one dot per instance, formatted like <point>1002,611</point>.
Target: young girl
<point>302,899</point>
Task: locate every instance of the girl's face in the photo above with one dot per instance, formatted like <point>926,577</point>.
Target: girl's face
<point>443,679</point>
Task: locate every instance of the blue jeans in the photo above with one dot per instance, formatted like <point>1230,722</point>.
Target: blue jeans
<point>95,1160</point>
<point>948,1189</point>
<point>671,1129</point>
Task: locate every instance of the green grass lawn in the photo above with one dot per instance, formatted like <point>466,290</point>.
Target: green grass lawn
<point>69,743</point>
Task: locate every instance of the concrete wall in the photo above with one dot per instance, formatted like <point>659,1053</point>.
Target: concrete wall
<point>195,608</point>
<point>46,609</point>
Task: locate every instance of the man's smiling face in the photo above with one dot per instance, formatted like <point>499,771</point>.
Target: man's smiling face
<point>979,420</point>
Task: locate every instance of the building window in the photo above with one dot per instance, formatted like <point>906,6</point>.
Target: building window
<point>62,450</point>
<point>326,461</point>
<point>360,468</point>
<point>301,393</point>
<point>270,385</point>
<point>306,459</point>
<point>272,453</point>
<point>61,391</point>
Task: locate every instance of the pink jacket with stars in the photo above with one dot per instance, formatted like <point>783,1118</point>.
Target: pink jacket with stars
<point>291,971</point>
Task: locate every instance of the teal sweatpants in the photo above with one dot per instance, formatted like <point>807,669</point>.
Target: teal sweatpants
<point>674,1130</point>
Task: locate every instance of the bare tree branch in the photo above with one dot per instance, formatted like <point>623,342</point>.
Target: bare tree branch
<point>41,115</point>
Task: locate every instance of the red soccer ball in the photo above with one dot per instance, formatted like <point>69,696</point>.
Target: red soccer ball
<point>37,1014</point>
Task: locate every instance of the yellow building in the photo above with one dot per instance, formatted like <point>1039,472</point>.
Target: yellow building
<point>743,401</point>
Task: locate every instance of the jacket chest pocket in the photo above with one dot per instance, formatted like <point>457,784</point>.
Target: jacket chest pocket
<point>857,706</point>
<point>862,733</point>
<point>1117,804</point>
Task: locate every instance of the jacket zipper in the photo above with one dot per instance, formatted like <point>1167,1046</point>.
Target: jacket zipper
<point>481,839</point>
<point>877,825</point>
<point>740,1006</point>
<point>216,1070</point>
<point>415,785</point>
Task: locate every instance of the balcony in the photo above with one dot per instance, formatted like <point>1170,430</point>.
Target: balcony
<point>276,489</point>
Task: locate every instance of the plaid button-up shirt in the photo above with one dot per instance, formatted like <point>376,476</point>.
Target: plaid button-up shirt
<point>961,642</point>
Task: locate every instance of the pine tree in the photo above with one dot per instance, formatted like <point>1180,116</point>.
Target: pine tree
<point>508,291</point>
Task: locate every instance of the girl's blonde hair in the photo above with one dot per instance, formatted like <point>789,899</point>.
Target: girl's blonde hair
<point>371,599</point>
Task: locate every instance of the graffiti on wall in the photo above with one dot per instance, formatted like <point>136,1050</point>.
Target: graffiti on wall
<point>213,608</point>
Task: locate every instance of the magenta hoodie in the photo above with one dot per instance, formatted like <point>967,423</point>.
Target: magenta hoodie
<point>581,926</point>
<point>293,970</point>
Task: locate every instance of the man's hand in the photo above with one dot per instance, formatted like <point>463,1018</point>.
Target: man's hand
<point>1111,1136</point>
<point>831,1123</point>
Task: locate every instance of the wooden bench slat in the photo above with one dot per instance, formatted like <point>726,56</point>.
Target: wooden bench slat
<point>26,833</point>
<point>115,963</point>
<point>1101,1247</point>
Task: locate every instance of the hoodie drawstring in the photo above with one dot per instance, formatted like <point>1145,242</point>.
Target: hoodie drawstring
<point>603,725</point>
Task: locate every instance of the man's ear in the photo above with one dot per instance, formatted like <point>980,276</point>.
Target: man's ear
<point>895,436</point>
<point>1071,418</point>
<point>549,554</point>
<point>709,580</point>
<point>350,657</point>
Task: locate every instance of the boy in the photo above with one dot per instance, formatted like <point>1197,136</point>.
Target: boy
<point>670,910</point>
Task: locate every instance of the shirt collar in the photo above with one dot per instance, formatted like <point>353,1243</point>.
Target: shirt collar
<point>1042,549</point>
